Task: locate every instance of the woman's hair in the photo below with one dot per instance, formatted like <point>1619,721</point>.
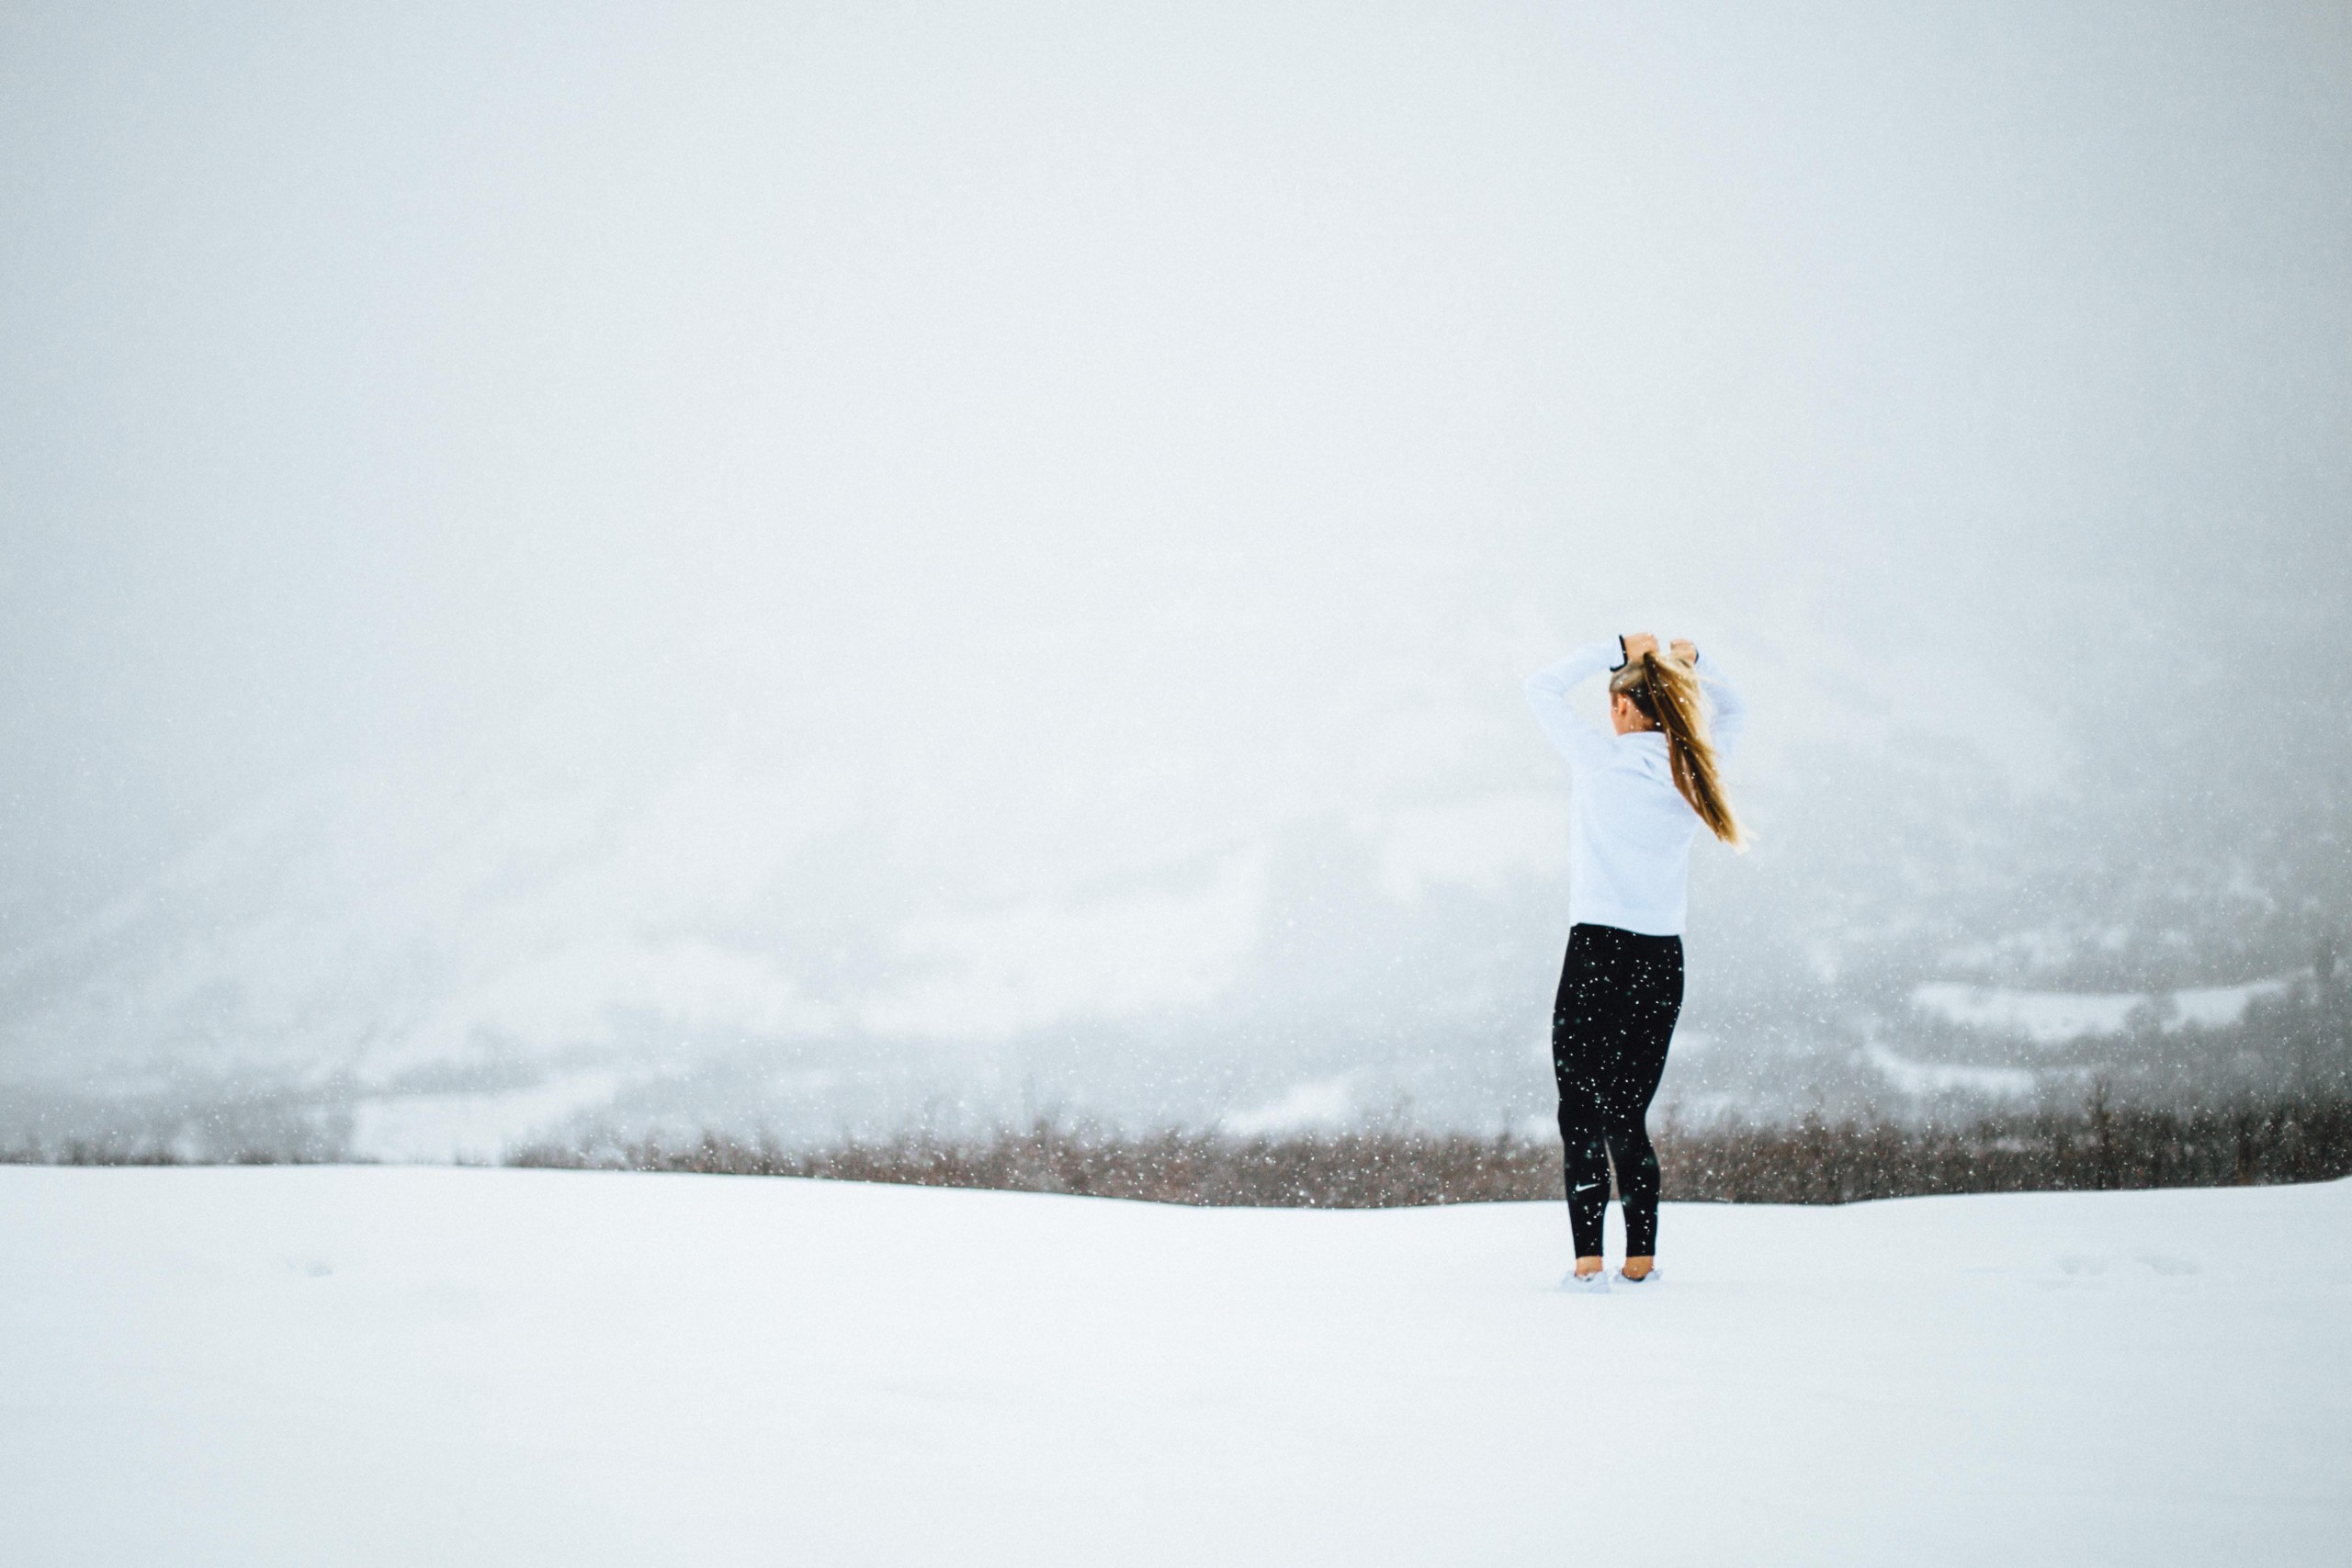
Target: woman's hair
<point>1667,692</point>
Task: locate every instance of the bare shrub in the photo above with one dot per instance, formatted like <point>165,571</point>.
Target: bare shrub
<point>2099,1145</point>
<point>1811,1161</point>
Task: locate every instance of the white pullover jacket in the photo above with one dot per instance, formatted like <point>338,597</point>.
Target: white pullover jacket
<point>1629,828</point>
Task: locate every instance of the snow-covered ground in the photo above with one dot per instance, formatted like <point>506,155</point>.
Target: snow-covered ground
<point>407,1366</point>
<point>2054,1018</point>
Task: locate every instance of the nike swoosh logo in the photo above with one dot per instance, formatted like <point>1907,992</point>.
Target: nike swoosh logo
<point>1587,1185</point>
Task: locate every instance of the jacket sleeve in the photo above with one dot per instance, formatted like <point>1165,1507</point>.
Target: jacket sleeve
<point>1584,743</point>
<point>1726,709</point>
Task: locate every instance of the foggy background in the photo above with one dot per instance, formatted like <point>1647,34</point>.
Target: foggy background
<point>822,568</point>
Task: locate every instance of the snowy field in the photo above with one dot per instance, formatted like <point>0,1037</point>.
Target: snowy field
<point>409,1366</point>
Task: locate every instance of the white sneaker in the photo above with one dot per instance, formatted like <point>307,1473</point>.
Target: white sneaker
<point>1593,1284</point>
<point>1647,1279</point>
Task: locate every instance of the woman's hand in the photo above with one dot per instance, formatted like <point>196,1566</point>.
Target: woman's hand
<point>1639,643</point>
<point>1685,650</point>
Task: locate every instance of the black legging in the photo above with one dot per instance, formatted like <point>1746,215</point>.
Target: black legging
<point>1619,994</point>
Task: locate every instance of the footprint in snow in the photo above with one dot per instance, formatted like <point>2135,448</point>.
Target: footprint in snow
<point>2171,1267</point>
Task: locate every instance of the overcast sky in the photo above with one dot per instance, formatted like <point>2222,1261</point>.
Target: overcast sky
<point>1080,434</point>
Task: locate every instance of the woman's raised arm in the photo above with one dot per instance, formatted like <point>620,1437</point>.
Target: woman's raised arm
<point>1726,709</point>
<point>1584,743</point>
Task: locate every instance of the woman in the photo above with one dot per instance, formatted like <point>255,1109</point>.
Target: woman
<point>1638,796</point>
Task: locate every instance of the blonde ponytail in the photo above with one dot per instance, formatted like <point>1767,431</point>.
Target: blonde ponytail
<point>1667,692</point>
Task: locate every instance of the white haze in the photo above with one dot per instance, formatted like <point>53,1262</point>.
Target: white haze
<point>817,564</point>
